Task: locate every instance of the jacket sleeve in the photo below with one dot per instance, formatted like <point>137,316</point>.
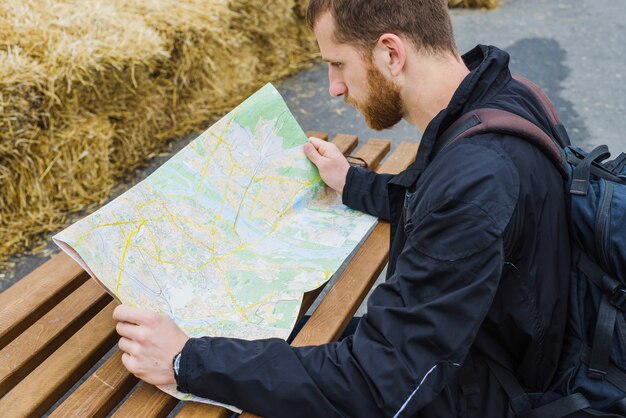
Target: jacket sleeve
<point>366,191</point>
<point>418,330</point>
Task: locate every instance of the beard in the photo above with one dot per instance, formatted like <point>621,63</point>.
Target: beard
<point>383,107</point>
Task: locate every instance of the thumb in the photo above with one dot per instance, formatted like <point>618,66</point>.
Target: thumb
<point>312,153</point>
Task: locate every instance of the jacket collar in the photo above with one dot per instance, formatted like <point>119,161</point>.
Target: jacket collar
<point>489,71</point>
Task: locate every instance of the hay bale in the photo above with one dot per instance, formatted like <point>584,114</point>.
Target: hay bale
<point>87,94</point>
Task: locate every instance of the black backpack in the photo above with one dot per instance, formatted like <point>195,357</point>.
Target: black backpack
<point>592,377</point>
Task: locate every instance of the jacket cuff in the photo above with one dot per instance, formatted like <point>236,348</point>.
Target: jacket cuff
<point>345,196</point>
<point>181,380</point>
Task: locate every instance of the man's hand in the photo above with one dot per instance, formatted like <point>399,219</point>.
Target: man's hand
<point>149,343</point>
<point>331,163</point>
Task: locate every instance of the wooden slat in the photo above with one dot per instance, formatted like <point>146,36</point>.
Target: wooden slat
<point>47,383</point>
<point>199,410</point>
<point>345,143</point>
<point>318,134</point>
<point>35,344</point>
<point>146,401</point>
<point>101,392</point>
<point>339,305</point>
<point>35,294</point>
<point>402,156</point>
<point>373,152</point>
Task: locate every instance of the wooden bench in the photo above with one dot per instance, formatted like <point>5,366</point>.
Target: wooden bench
<point>56,327</point>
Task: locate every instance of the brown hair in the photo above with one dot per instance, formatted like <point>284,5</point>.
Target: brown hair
<point>361,22</point>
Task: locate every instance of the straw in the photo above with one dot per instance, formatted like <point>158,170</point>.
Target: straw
<point>89,94</point>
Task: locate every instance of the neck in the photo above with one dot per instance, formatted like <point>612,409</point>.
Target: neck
<point>432,81</point>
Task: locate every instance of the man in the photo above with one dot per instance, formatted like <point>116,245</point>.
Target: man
<point>475,269</point>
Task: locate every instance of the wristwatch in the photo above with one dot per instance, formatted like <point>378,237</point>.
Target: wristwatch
<point>176,364</point>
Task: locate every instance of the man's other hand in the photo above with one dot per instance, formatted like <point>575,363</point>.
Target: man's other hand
<point>149,343</point>
<point>331,163</point>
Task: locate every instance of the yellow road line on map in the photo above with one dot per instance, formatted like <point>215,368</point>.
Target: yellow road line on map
<point>177,226</point>
<point>290,204</point>
<point>217,218</point>
<point>221,211</point>
<point>253,204</point>
<point>219,141</point>
<point>241,203</point>
<point>119,224</point>
<point>171,263</point>
<point>119,275</point>
<point>212,325</point>
<point>230,175</point>
<point>230,294</point>
<point>281,180</point>
<point>231,252</point>
<point>86,234</point>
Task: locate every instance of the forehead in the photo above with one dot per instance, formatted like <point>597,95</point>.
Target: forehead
<point>331,49</point>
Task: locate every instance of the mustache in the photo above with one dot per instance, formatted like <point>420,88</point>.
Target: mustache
<point>349,100</point>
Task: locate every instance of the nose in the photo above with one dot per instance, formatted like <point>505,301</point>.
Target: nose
<point>337,87</point>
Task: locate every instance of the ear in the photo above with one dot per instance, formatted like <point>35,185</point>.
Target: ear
<point>390,51</point>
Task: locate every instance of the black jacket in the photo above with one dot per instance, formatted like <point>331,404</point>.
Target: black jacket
<point>478,267</point>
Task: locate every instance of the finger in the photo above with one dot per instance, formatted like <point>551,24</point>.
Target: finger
<point>317,142</point>
<point>326,149</point>
<point>128,330</point>
<point>312,154</point>
<point>323,147</point>
<point>129,362</point>
<point>126,313</point>
<point>128,346</point>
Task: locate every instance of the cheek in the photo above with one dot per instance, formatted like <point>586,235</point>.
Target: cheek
<point>357,89</point>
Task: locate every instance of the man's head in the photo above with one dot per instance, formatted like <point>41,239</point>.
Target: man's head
<point>366,43</point>
<point>362,22</point>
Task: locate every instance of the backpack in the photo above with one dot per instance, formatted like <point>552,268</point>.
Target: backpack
<point>592,375</point>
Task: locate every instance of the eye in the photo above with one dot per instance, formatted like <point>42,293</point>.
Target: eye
<point>336,64</point>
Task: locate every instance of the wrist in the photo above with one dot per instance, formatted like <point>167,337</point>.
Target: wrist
<point>340,182</point>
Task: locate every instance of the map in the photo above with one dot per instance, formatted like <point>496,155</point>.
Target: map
<point>227,235</point>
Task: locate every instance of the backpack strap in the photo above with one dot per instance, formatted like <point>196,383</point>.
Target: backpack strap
<point>617,165</point>
<point>520,402</point>
<point>582,172</point>
<point>488,120</point>
<point>560,408</point>
<point>614,375</point>
<point>548,109</point>
<point>613,302</point>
